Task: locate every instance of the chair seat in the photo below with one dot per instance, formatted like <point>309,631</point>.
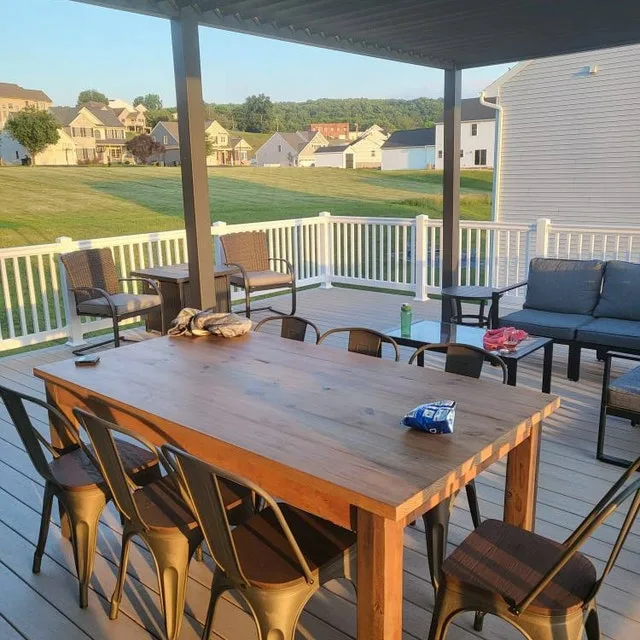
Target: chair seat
<point>125,303</point>
<point>611,332</point>
<point>624,391</point>
<point>548,324</point>
<point>76,472</point>
<point>267,558</point>
<point>508,561</point>
<point>262,279</point>
<point>135,459</point>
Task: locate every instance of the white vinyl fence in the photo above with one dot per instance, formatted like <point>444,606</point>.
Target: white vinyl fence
<point>392,253</point>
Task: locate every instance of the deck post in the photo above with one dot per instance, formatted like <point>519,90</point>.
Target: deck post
<point>195,186</point>
<point>450,258</point>
<point>218,228</point>
<point>543,229</point>
<point>326,249</point>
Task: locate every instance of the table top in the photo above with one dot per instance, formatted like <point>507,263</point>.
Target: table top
<point>434,332</point>
<point>325,418</point>
<point>178,273</point>
<point>468,292</point>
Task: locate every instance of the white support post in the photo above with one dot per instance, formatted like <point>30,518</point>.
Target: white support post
<point>218,229</point>
<point>74,324</point>
<point>326,249</point>
<point>420,260</point>
<point>543,228</point>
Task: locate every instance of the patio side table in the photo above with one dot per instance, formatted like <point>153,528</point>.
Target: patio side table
<point>460,294</point>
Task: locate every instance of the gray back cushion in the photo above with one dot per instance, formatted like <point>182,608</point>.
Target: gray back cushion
<point>564,286</point>
<point>620,292</point>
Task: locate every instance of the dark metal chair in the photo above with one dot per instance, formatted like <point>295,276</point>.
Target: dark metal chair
<point>366,341</point>
<point>158,514</point>
<point>277,560</point>
<point>545,589</point>
<point>94,281</point>
<point>292,327</point>
<point>621,398</point>
<point>248,251</point>
<point>71,476</point>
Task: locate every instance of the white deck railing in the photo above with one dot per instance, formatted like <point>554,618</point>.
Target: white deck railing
<point>392,253</point>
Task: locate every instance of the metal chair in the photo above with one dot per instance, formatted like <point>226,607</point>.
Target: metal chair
<point>292,327</point>
<point>158,514</point>
<point>94,282</point>
<point>73,479</point>
<point>545,589</point>
<point>248,251</point>
<point>366,341</point>
<point>277,560</point>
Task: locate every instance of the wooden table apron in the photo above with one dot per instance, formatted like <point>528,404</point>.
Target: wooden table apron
<point>319,428</point>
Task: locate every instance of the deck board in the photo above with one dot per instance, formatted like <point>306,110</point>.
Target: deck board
<point>571,481</point>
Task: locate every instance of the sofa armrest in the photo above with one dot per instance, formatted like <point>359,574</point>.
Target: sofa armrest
<point>495,301</point>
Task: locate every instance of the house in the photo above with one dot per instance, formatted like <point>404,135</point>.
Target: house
<point>338,156</point>
<point>284,149</point>
<point>410,149</point>
<point>132,118</point>
<point>570,149</point>
<point>331,130</point>
<point>14,98</point>
<point>477,136</point>
<point>240,150</point>
<point>63,153</point>
<point>166,134</point>
<point>363,153</point>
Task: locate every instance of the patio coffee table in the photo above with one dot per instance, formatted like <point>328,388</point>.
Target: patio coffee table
<point>433,332</point>
<point>464,293</point>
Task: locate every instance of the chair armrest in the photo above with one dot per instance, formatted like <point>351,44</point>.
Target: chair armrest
<point>242,270</point>
<point>609,355</point>
<point>101,294</point>
<point>148,281</point>
<point>503,290</point>
<point>495,301</point>
<point>290,268</point>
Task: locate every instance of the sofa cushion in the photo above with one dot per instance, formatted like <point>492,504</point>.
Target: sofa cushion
<point>564,286</point>
<point>125,303</point>
<point>620,297</point>
<point>562,326</point>
<point>611,332</point>
<point>624,391</point>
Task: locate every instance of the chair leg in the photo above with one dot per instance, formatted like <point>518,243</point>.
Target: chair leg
<point>592,624</point>
<point>448,603</point>
<point>436,526</point>
<point>573,363</point>
<point>199,554</point>
<point>474,507</point>
<point>294,294</point>
<point>276,613</point>
<point>45,519</point>
<point>122,575</point>
<point>247,302</point>
<point>116,332</point>
<point>535,627</point>
<point>218,586</point>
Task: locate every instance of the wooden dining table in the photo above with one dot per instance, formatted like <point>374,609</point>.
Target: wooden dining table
<point>319,428</point>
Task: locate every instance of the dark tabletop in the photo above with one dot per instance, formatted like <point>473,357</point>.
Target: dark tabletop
<point>469,293</point>
<point>175,272</point>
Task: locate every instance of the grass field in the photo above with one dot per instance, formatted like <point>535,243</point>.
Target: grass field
<point>41,203</point>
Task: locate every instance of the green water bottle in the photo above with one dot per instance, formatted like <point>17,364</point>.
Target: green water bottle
<point>406,314</point>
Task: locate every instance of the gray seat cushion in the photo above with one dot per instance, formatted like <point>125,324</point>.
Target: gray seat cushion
<point>624,391</point>
<point>262,279</point>
<point>564,286</point>
<point>620,297</point>
<point>126,303</point>
<point>562,326</point>
<point>611,332</point>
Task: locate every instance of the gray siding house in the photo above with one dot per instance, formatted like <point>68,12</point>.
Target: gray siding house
<point>285,149</point>
<point>570,133</point>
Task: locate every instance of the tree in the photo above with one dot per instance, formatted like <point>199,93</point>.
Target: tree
<point>151,101</point>
<point>92,95</point>
<point>158,115</point>
<point>208,145</point>
<point>144,146</point>
<point>258,113</point>
<point>35,130</point>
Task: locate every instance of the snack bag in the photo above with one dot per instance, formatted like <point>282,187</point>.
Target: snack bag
<point>433,417</point>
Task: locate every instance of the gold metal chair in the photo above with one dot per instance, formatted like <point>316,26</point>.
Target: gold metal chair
<point>292,327</point>
<point>545,589</point>
<point>72,478</point>
<point>158,514</point>
<point>366,341</point>
<point>276,560</point>
<point>95,285</point>
<point>248,251</point>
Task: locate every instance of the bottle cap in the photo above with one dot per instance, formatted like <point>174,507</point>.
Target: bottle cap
<point>406,307</point>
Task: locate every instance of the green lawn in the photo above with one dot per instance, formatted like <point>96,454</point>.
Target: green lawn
<point>41,203</point>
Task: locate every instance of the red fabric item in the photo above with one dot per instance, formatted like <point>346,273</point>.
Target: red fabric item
<point>494,339</point>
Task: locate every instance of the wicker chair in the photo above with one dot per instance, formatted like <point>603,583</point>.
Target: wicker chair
<point>545,589</point>
<point>248,252</point>
<point>366,341</point>
<point>292,327</point>
<point>95,285</point>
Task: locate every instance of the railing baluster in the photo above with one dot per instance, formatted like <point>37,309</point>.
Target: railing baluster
<point>20,297</point>
<point>396,239</point>
<point>8,304</point>
<point>43,293</point>
<point>367,225</point>
<point>31,290</point>
<point>53,270</point>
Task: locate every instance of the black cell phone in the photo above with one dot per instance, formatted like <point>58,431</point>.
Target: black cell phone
<point>87,361</point>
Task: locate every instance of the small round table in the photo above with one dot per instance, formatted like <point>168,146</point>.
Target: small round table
<point>461,294</point>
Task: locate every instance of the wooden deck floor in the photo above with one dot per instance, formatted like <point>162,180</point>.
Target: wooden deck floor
<point>571,481</point>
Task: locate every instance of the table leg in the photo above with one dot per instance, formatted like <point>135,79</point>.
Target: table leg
<point>421,359</point>
<point>547,367</point>
<point>380,564</point>
<point>522,481</point>
<point>512,371</point>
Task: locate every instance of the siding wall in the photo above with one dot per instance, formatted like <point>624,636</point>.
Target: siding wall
<point>268,153</point>
<point>485,139</point>
<point>408,158</point>
<point>337,160</point>
<point>571,140</point>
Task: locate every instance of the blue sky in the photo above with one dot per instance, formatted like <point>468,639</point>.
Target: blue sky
<point>63,47</point>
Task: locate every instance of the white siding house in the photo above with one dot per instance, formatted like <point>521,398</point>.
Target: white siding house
<point>284,149</point>
<point>477,136</point>
<point>339,157</point>
<point>570,139</point>
<point>63,153</point>
<point>410,149</point>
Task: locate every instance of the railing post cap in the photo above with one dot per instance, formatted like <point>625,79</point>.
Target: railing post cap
<point>324,214</point>
<point>422,216</point>
<point>64,239</point>
<point>219,223</point>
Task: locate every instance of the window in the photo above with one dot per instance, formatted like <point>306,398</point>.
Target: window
<point>279,148</point>
<point>462,153</point>
<point>165,140</point>
<point>480,157</point>
<point>373,153</point>
<point>97,134</point>
<point>474,129</point>
<point>440,153</point>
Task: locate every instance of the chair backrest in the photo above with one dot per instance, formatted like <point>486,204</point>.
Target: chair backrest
<point>292,327</point>
<point>619,493</point>
<point>463,359</point>
<point>90,268</point>
<point>366,341</point>
<point>202,483</point>
<point>247,248</point>
<point>34,442</point>
<point>110,463</point>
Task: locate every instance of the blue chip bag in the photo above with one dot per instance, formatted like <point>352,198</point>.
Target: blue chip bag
<point>434,417</point>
